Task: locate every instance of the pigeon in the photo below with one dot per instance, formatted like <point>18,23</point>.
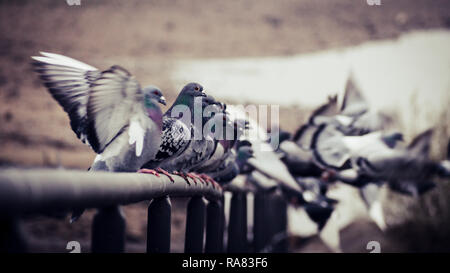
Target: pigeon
<point>313,184</point>
<point>363,119</point>
<point>213,121</point>
<point>232,165</point>
<point>303,135</point>
<point>370,194</point>
<point>224,164</point>
<point>265,159</point>
<point>108,110</point>
<point>232,131</point>
<point>407,170</point>
<point>333,149</point>
<point>299,161</point>
<point>178,131</point>
<point>353,119</point>
<point>329,109</point>
<point>354,104</point>
<point>444,165</point>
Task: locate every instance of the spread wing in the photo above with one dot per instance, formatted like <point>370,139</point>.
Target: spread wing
<point>69,82</point>
<point>111,104</point>
<point>354,103</point>
<point>99,104</point>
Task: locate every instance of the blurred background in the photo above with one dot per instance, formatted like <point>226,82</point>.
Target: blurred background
<point>285,52</point>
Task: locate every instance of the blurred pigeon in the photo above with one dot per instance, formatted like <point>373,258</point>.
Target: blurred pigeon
<point>444,166</point>
<point>370,194</point>
<point>354,104</point>
<point>228,160</point>
<point>407,170</point>
<point>313,184</point>
<point>355,117</point>
<point>261,181</point>
<point>232,165</point>
<point>303,135</point>
<point>328,109</point>
<point>333,149</point>
<point>265,159</point>
<point>231,132</point>
<point>299,161</point>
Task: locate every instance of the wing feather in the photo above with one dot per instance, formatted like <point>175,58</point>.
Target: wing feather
<point>112,101</point>
<point>68,81</point>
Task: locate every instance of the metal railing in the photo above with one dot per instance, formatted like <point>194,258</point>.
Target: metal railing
<point>24,192</point>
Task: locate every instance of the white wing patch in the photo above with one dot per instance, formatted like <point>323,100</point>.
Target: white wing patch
<point>57,59</point>
<point>376,213</point>
<point>136,133</point>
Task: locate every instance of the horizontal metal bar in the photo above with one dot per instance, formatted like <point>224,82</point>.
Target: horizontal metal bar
<point>41,190</point>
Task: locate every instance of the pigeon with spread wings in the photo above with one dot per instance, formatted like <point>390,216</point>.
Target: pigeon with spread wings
<point>108,110</point>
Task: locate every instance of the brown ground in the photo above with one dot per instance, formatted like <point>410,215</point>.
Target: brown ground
<point>146,37</point>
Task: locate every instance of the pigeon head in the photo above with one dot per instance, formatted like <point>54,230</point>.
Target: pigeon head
<point>187,97</point>
<point>209,100</point>
<point>242,143</point>
<point>391,139</point>
<point>192,90</point>
<point>244,153</point>
<point>153,92</point>
<point>217,119</point>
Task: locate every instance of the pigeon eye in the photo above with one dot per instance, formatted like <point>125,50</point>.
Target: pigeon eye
<point>196,88</point>
<point>155,92</point>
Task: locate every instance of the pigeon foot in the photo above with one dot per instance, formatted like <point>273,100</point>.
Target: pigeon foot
<point>199,177</point>
<point>185,176</point>
<point>149,171</point>
<point>162,171</point>
<point>207,178</point>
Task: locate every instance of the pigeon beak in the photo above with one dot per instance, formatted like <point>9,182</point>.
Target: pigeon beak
<point>162,100</point>
<point>203,94</point>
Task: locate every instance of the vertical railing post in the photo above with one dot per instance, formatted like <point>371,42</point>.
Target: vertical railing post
<point>237,227</point>
<point>259,223</point>
<point>279,215</point>
<point>158,226</point>
<point>195,225</point>
<point>11,236</point>
<point>108,231</point>
<point>223,223</point>
<point>214,227</point>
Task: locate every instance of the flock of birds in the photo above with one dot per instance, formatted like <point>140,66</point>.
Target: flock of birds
<point>123,123</point>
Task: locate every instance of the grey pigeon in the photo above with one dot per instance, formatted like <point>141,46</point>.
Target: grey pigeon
<point>299,161</point>
<point>354,118</point>
<point>108,110</point>
<point>407,170</point>
<point>232,165</point>
<point>177,134</point>
<point>231,132</point>
<point>354,103</point>
<point>333,149</point>
<point>213,123</point>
